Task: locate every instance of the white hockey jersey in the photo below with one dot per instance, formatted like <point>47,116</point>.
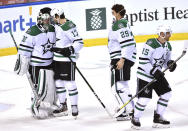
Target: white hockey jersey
<point>67,35</point>
<point>121,41</point>
<point>37,44</point>
<point>154,56</point>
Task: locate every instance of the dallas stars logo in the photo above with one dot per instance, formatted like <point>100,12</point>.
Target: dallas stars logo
<point>159,62</point>
<point>47,46</point>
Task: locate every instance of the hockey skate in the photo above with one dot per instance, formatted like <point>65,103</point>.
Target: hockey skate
<point>74,111</point>
<point>124,116</point>
<point>135,123</point>
<point>61,111</point>
<point>160,122</point>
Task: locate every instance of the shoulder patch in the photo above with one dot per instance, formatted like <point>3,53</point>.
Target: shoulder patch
<point>119,24</point>
<point>153,43</point>
<point>68,25</point>
<point>149,42</point>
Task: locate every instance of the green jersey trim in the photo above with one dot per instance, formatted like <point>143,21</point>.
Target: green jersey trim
<point>34,31</point>
<point>122,23</point>
<point>68,25</point>
<point>144,75</point>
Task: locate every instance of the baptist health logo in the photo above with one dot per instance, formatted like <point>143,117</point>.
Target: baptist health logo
<point>95,19</point>
<point>20,23</point>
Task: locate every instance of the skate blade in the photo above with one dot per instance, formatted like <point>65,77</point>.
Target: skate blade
<point>123,119</point>
<point>135,127</point>
<point>60,114</point>
<point>75,117</point>
<point>157,125</point>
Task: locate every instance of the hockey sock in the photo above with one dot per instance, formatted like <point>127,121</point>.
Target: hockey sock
<point>60,90</point>
<point>140,106</point>
<point>124,94</point>
<point>162,103</point>
<point>73,92</point>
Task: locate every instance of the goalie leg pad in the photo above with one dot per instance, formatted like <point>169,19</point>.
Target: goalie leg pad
<point>46,93</point>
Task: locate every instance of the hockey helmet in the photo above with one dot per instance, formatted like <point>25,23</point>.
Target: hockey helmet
<point>57,12</point>
<point>164,29</point>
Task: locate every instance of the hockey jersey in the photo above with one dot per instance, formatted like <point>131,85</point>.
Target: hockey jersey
<point>67,35</point>
<point>154,56</point>
<point>36,44</point>
<point>121,41</point>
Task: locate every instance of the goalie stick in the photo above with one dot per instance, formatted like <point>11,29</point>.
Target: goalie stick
<point>121,109</point>
<point>92,89</point>
<point>38,100</point>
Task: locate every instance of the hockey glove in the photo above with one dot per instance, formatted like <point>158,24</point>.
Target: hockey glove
<point>67,51</point>
<point>113,63</point>
<point>158,74</point>
<point>172,67</point>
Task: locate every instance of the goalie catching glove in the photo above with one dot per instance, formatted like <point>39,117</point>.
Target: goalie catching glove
<point>67,51</point>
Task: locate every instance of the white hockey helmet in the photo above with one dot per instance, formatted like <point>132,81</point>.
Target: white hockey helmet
<point>164,29</point>
<point>56,11</point>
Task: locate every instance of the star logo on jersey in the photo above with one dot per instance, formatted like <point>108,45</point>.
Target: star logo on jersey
<point>159,62</point>
<point>47,46</point>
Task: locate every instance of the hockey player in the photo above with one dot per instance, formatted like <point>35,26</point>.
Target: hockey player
<point>35,56</point>
<point>68,44</point>
<point>122,49</point>
<point>156,54</point>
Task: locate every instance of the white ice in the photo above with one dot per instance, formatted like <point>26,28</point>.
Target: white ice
<point>94,62</point>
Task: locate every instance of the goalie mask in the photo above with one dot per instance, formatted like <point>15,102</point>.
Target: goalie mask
<point>163,29</point>
<point>43,18</point>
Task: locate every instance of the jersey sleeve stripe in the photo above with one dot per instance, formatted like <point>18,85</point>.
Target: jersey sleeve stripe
<point>141,58</point>
<point>21,45</point>
<point>77,40</point>
<point>125,41</point>
<point>115,52</point>
<point>42,58</point>
<point>24,50</point>
<point>127,45</point>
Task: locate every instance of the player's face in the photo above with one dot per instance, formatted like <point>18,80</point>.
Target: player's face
<point>56,19</point>
<point>168,35</point>
<point>114,14</point>
<point>46,21</point>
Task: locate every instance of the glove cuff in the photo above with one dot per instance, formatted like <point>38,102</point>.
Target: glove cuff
<point>71,49</point>
<point>153,70</point>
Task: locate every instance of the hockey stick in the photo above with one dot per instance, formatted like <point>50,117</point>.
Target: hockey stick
<point>91,88</point>
<point>29,77</point>
<point>121,109</point>
<point>113,83</point>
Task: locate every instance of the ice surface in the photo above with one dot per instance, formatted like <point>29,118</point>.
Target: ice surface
<point>94,64</point>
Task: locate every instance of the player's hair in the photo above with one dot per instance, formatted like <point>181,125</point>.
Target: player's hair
<point>118,8</point>
<point>62,16</point>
